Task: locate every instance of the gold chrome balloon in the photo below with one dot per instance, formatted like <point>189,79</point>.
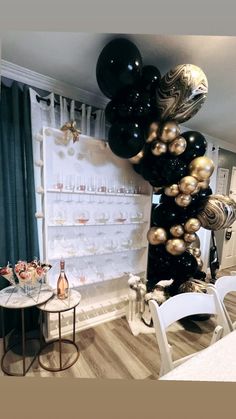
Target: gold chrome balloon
<point>159,148</point>
<point>204,184</point>
<point>198,188</point>
<point>188,184</point>
<point>201,168</point>
<point>177,230</point>
<point>152,132</point>
<point>172,190</point>
<point>199,262</point>
<point>175,246</point>
<point>196,243</point>
<point>156,235</point>
<point>196,252</point>
<point>136,159</point>
<point>189,237</point>
<point>192,225</point>
<point>177,146</point>
<point>183,200</point>
<point>169,132</point>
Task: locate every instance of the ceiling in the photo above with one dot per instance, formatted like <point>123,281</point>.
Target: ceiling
<point>72,57</point>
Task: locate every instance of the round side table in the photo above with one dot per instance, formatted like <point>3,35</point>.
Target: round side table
<point>56,305</point>
<point>14,297</point>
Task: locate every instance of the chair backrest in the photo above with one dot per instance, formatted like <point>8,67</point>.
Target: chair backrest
<point>224,285</point>
<point>178,307</point>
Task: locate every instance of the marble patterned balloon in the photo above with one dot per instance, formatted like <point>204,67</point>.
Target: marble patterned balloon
<point>218,212</point>
<point>181,93</point>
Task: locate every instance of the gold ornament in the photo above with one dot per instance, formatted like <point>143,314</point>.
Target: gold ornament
<point>192,225</point>
<point>183,200</point>
<point>177,146</point>
<point>175,246</point>
<point>189,237</point>
<point>169,132</point>
<point>201,168</point>
<point>159,148</point>
<point>70,130</point>
<point>188,184</point>
<point>136,159</point>
<point>156,235</point>
<point>152,132</point>
<point>177,230</point>
<point>172,190</point>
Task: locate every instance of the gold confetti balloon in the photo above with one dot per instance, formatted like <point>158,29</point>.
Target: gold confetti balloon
<point>177,146</point>
<point>192,225</point>
<point>156,235</point>
<point>177,230</point>
<point>201,168</point>
<point>183,200</point>
<point>217,212</point>
<point>172,190</point>
<point>175,246</point>
<point>188,184</point>
<point>169,131</point>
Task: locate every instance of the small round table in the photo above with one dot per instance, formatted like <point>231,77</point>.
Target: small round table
<point>56,305</point>
<point>14,297</point>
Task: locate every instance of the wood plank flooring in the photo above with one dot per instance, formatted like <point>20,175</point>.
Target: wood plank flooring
<point>111,351</point>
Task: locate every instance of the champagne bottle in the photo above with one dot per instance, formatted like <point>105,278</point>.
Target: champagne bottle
<point>62,282</point>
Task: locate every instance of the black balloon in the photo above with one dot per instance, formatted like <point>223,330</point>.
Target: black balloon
<point>111,112</point>
<point>151,76</point>
<point>164,215</point>
<point>119,65</point>
<point>185,266</point>
<point>173,170</point>
<point>126,139</point>
<point>160,265</point>
<point>196,145</point>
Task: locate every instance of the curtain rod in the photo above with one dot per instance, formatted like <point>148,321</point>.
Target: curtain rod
<point>48,101</point>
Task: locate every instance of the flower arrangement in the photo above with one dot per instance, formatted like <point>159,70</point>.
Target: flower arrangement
<point>28,275</point>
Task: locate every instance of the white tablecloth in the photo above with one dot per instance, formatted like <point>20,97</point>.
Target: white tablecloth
<point>215,363</point>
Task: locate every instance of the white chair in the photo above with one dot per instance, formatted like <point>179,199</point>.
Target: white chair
<point>178,307</point>
<point>223,286</point>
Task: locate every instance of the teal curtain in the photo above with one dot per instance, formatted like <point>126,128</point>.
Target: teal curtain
<point>18,228</point>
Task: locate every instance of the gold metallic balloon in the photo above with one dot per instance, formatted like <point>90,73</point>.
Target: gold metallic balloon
<point>175,246</point>
<point>156,235</point>
<point>172,190</point>
<point>201,168</point>
<point>189,237</point>
<point>198,188</point>
<point>159,148</point>
<point>177,230</point>
<point>177,146</point>
<point>169,132</point>
<point>204,184</point>
<point>192,225</point>
<point>196,252</point>
<point>183,200</point>
<point>199,262</point>
<point>152,132</point>
<point>136,159</point>
<point>188,184</point>
<point>190,250</point>
<point>196,243</point>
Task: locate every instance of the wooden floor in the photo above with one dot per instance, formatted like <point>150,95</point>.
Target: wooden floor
<point>111,351</point>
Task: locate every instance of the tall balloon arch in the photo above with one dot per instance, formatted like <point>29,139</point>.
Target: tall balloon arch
<point>145,111</point>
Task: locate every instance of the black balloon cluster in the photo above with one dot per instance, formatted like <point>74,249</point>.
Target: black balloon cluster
<point>144,112</point>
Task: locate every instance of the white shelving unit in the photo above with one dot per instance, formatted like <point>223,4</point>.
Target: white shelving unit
<point>94,211</point>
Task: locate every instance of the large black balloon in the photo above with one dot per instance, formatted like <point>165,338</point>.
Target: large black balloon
<point>165,216</point>
<point>185,266</point>
<point>126,139</point>
<point>160,265</point>
<point>196,145</point>
<point>119,65</point>
<point>151,76</point>
<point>111,112</point>
<point>173,170</point>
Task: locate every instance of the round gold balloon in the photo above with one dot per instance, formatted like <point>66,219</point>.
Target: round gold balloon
<point>199,262</point>
<point>196,243</point>
<point>192,225</point>
<point>172,190</point>
<point>190,250</point>
<point>198,188</point>
<point>196,252</point>
<point>183,200</point>
<point>156,235</point>
<point>136,159</point>
<point>177,146</point>
<point>175,246</point>
<point>201,168</point>
<point>177,230</point>
<point>169,132</point>
<point>152,132</point>
<point>189,237</point>
<point>204,184</point>
<point>188,184</point>
<point>159,148</point>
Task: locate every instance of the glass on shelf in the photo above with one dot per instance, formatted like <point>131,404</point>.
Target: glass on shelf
<point>120,216</point>
<point>136,217</point>
<point>101,217</point>
<point>70,183</point>
<point>80,184</point>
<point>81,217</point>
<point>59,216</point>
<point>58,181</point>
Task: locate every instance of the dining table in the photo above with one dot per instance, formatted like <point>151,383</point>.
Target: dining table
<point>215,363</point>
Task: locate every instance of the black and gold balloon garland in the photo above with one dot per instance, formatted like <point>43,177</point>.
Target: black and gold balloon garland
<point>144,112</point>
